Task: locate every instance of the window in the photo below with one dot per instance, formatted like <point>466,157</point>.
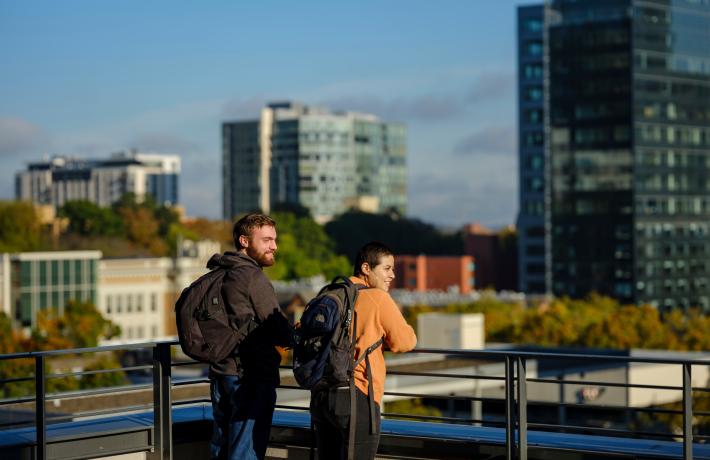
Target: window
<point>533,48</point>
<point>532,25</point>
<point>153,302</point>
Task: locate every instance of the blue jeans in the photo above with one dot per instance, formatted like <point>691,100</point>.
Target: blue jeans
<point>242,413</point>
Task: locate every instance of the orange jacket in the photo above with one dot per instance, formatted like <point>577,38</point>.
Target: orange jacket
<point>378,317</point>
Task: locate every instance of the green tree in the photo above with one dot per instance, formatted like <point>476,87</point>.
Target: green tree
<point>88,219</point>
<point>304,250</point>
<point>351,230</point>
<point>19,227</point>
<point>81,326</point>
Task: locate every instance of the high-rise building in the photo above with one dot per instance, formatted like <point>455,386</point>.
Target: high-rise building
<point>627,124</point>
<point>101,181</point>
<point>531,151</point>
<point>325,161</point>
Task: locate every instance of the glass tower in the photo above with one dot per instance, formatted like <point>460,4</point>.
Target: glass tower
<point>325,161</point>
<point>628,145</point>
<point>531,158</point>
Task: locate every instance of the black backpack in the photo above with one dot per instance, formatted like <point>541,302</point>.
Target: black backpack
<point>324,345</point>
<point>204,328</point>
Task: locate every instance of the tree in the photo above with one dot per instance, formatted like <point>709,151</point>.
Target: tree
<point>80,326</point>
<point>304,250</point>
<point>351,230</point>
<point>88,219</point>
<point>19,227</point>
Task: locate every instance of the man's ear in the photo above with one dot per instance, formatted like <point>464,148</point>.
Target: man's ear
<point>365,268</point>
<point>244,241</point>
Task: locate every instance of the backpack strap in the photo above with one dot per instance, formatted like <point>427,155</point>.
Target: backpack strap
<point>370,390</point>
<point>353,402</point>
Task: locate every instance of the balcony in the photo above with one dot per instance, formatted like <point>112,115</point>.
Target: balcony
<point>512,404</point>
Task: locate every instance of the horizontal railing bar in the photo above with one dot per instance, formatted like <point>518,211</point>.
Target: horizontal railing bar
<point>626,433</point>
<point>99,391</point>
<point>603,384</point>
<point>491,354</point>
<point>76,351</point>
<point>286,406</point>
<point>701,437</point>
<point>454,376</point>
<point>184,402</point>
<point>444,397</point>
<point>440,419</point>
<point>183,383</point>
<point>23,400</point>
<point>113,410</point>
<point>17,379</point>
<point>98,371</point>
<point>293,387</point>
<point>703,389</point>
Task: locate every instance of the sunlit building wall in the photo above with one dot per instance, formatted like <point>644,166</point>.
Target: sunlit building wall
<point>36,281</point>
<point>325,161</point>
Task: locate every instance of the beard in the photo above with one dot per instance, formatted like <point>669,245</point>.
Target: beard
<point>264,259</point>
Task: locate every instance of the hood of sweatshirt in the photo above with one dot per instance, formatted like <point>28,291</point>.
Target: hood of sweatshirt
<point>231,260</point>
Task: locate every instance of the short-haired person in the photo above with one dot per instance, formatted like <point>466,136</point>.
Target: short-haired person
<point>243,386</point>
<point>378,317</point>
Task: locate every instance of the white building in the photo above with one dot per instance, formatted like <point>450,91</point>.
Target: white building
<point>325,161</point>
<point>103,182</point>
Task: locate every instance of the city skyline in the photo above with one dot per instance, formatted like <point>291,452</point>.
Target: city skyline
<point>88,79</point>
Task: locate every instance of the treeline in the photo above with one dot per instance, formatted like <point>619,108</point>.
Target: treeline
<point>130,228</point>
<point>351,230</point>
<point>79,326</point>
<point>593,322</point>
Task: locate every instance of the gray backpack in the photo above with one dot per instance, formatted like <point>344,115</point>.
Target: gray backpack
<point>205,331</point>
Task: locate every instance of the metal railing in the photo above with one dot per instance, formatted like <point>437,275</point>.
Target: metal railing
<point>514,379</point>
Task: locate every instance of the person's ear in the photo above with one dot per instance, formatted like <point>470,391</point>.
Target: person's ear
<point>365,268</point>
<point>244,241</point>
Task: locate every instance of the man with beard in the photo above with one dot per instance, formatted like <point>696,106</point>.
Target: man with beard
<point>243,386</point>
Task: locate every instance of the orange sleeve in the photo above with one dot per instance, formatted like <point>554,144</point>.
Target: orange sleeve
<point>399,336</point>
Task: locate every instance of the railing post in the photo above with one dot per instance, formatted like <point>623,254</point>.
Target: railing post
<point>687,413</point>
<point>561,409</point>
<point>509,408</point>
<point>522,410</point>
<point>162,401</point>
<point>40,410</point>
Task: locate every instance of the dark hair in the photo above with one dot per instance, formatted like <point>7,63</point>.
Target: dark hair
<point>371,254</point>
<point>246,224</point>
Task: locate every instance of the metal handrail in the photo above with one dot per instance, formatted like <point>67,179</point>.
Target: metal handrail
<point>514,379</point>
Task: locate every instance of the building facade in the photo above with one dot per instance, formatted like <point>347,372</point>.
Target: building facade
<point>103,182</point>
<point>441,273</point>
<point>531,152</point>
<point>35,281</point>
<point>496,256</point>
<point>628,146</point>
<point>325,161</point>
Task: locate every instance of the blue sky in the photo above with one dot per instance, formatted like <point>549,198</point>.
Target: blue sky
<point>87,78</point>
